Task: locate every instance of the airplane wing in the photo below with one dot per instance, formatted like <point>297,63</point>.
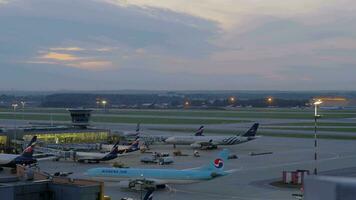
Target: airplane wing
<point>89,155</point>
<point>200,144</point>
<point>46,158</point>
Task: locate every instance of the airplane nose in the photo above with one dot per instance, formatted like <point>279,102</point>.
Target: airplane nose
<point>89,172</point>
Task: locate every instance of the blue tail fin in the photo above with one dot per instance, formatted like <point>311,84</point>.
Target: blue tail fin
<point>252,131</point>
<point>217,165</point>
<point>200,131</point>
<point>28,152</point>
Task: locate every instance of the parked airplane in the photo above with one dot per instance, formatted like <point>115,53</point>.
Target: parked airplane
<point>26,158</point>
<point>158,178</point>
<point>201,141</point>
<point>152,139</point>
<point>92,157</point>
<point>132,133</point>
<point>115,152</point>
<point>200,131</point>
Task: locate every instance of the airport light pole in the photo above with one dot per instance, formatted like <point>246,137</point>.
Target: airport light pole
<point>186,104</point>
<point>316,116</point>
<point>23,109</point>
<point>269,101</point>
<point>15,106</point>
<point>104,102</point>
<point>232,100</point>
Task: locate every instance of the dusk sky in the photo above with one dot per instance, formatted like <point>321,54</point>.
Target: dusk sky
<point>178,44</point>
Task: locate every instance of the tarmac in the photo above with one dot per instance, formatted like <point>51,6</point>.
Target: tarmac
<point>253,175</point>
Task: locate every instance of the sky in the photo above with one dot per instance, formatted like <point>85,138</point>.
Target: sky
<point>178,44</point>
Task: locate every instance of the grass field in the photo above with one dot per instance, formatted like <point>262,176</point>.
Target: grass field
<point>320,128</point>
<point>120,119</point>
<point>199,117</point>
<point>270,113</point>
<point>321,124</point>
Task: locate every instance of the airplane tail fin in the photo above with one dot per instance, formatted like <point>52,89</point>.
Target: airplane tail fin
<point>138,127</point>
<point>252,131</point>
<point>149,195</point>
<point>135,144</point>
<point>200,131</point>
<point>115,148</point>
<point>217,164</point>
<point>113,153</point>
<point>28,152</point>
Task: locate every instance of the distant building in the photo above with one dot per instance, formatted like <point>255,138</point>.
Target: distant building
<point>335,102</point>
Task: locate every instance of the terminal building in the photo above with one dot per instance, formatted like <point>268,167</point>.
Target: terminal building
<point>77,132</point>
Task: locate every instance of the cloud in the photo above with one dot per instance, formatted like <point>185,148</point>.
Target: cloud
<point>71,60</point>
<point>95,65</point>
<point>182,44</point>
<point>105,49</point>
<point>66,49</point>
<point>231,13</point>
<point>59,56</point>
<point>3,1</point>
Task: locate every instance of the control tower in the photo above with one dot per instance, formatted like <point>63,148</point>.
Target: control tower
<point>80,117</point>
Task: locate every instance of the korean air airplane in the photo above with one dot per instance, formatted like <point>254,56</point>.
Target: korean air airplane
<point>158,178</point>
<point>199,140</point>
<point>26,158</point>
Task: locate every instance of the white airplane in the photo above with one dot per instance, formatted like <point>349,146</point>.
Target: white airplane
<point>115,152</point>
<point>200,141</point>
<point>131,134</point>
<point>26,158</point>
<point>92,157</point>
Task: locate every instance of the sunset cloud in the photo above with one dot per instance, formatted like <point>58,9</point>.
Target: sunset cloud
<point>72,60</point>
<point>92,65</point>
<point>231,13</point>
<point>59,56</point>
<point>67,49</point>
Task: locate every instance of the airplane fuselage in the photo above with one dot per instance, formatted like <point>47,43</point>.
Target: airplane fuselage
<point>11,160</point>
<point>163,176</point>
<point>218,140</point>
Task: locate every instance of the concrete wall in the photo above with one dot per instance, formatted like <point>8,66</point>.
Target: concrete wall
<point>329,188</point>
<point>70,192</point>
<point>32,191</point>
<point>49,191</point>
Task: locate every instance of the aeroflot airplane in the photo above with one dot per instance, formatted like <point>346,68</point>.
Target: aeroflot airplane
<point>198,140</point>
<point>158,178</point>
<point>26,158</point>
<point>114,153</point>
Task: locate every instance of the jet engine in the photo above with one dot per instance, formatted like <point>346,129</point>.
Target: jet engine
<point>141,185</point>
<point>196,146</point>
